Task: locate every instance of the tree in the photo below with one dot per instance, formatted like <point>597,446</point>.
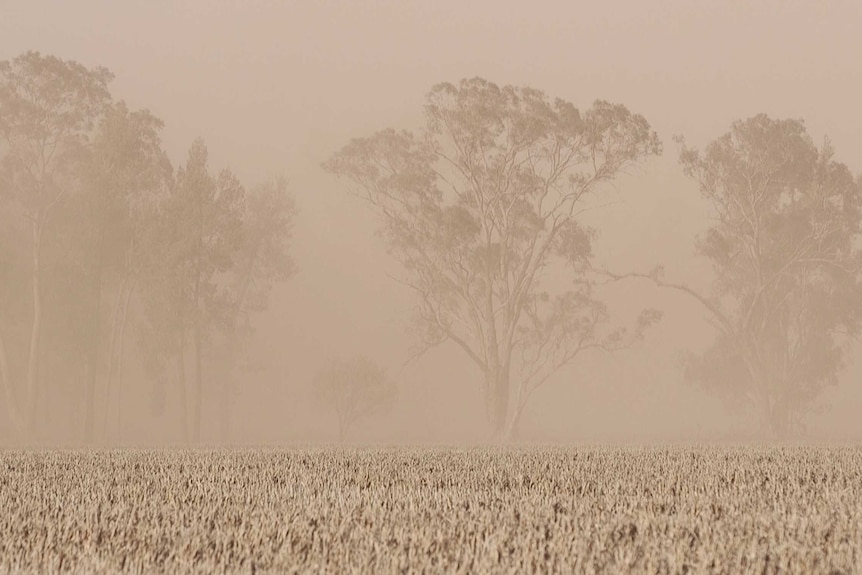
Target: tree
<point>199,233</point>
<point>481,210</point>
<point>784,248</point>
<point>126,174</point>
<point>12,289</point>
<point>48,107</point>
<point>89,259</point>
<point>262,259</point>
<point>354,389</point>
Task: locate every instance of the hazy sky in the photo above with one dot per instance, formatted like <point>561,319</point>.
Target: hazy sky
<point>275,87</point>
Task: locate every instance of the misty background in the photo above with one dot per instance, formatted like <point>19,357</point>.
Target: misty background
<point>275,88</point>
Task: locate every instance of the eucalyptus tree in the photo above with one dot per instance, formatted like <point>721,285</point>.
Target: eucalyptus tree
<point>262,259</point>
<point>784,246</point>
<point>482,208</point>
<point>48,109</point>
<point>191,249</point>
<point>13,299</point>
<point>126,176</point>
<point>353,389</point>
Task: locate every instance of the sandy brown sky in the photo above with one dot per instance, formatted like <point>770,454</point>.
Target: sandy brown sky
<point>275,86</point>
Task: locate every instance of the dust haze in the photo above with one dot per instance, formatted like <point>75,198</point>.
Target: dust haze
<point>271,94</point>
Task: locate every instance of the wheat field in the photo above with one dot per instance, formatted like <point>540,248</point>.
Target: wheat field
<point>753,509</point>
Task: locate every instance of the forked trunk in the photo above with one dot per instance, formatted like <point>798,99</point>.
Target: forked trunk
<point>513,427</point>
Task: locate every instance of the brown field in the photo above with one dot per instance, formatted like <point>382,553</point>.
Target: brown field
<point>484,510</point>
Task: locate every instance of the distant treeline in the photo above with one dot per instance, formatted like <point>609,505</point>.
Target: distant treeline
<point>101,238</point>
<point>103,241</point>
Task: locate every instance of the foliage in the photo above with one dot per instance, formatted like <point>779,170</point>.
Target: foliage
<point>97,233</point>
<point>199,232</point>
<point>262,259</point>
<point>355,389</point>
<point>785,250</point>
<point>481,210</point>
<point>48,109</point>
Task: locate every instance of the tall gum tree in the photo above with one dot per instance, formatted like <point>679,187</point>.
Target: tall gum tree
<point>192,251</point>
<point>14,287</point>
<point>126,174</point>
<point>784,246</point>
<point>48,108</point>
<point>261,260</point>
<point>481,209</point>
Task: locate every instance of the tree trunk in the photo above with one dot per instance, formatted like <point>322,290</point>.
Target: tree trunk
<point>761,382</point>
<point>93,360</point>
<point>8,392</point>
<point>196,406</point>
<point>765,413</point>
<point>123,322</point>
<point>35,332</point>
<point>196,395</point>
<point>513,428</point>
<point>225,407</point>
<point>497,401</point>
<point>89,399</point>
<point>181,377</point>
<point>112,347</point>
<point>228,382</point>
<point>774,415</point>
<point>780,419</point>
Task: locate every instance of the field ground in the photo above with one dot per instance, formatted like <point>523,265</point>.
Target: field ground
<point>754,509</point>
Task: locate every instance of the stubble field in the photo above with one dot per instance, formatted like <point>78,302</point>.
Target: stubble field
<point>484,510</point>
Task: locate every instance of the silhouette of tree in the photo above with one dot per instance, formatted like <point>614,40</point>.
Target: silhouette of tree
<point>482,207</point>
<point>125,174</point>
<point>48,108</point>
<point>354,389</point>
<point>263,259</point>
<point>192,249</point>
<point>784,247</point>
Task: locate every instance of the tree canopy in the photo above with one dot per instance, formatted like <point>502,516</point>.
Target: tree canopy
<point>784,246</point>
<point>354,389</point>
<point>96,224</point>
<point>48,109</point>
<point>785,249</point>
<point>481,208</point>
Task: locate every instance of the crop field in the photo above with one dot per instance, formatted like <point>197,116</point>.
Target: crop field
<point>754,509</point>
